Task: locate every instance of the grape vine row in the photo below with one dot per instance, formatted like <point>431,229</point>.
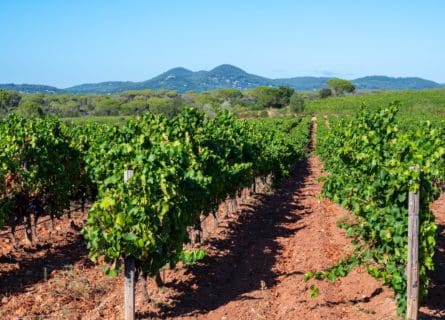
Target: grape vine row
<point>367,160</point>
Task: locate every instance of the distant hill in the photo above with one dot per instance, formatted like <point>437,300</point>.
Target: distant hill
<point>389,83</point>
<point>303,83</point>
<point>182,80</point>
<point>225,76</point>
<point>30,88</point>
<point>101,87</point>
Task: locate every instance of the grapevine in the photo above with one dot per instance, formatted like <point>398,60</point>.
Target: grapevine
<point>367,160</point>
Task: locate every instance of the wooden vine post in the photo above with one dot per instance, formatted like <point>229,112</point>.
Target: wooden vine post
<point>129,273</point>
<point>412,269</point>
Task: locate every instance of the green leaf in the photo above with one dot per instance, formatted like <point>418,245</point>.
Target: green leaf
<point>314,291</point>
<point>129,236</point>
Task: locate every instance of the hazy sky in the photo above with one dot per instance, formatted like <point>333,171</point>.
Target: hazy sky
<point>63,43</point>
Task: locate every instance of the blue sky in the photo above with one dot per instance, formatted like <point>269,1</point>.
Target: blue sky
<point>63,43</point>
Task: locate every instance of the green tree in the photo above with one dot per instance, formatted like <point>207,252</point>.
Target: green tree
<point>8,100</point>
<point>166,106</point>
<point>324,93</point>
<point>30,109</point>
<point>106,107</point>
<point>284,95</point>
<point>296,103</point>
<point>228,94</point>
<point>5,101</point>
<point>205,98</point>
<point>267,97</point>
<point>134,107</point>
<point>340,86</point>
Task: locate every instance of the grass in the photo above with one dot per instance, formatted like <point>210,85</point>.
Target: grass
<point>431,102</point>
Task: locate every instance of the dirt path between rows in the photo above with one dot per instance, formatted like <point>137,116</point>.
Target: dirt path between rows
<point>254,269</point>
<point>256,264</point>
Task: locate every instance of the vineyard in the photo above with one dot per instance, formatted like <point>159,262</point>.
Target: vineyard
<point>423,103</point>
<point>192,169</point>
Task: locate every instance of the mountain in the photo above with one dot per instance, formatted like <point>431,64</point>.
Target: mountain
<point>225,76</point>
<point>303,83</point>
<point>101,87</point>
<point>182,80</point>
<point>30,88</point>
<point>389,83</point>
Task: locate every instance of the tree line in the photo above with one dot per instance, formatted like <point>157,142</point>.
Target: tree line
<point>167,102</point>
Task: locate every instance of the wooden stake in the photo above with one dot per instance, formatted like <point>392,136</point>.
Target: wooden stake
<point>412,269</point>
<point>129,287</point>
<point>128,174</point>
<point>129,273</point>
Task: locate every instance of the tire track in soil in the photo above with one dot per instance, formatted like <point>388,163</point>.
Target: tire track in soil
<point>256,263</point>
